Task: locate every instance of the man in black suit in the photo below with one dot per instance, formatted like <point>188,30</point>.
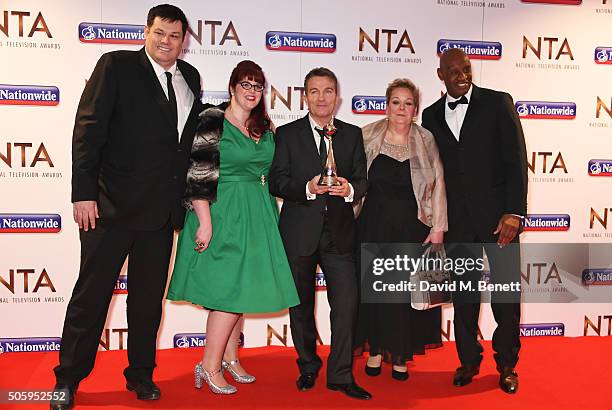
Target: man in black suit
<point>482,146</point>
<point>317,227</point>
<point>132,136</point>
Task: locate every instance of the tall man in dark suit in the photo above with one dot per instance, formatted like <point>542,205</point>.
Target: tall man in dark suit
<point>482,146</point>
<point>132,136</point>
<point>317,227</point>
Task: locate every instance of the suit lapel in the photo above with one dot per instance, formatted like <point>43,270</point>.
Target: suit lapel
<point>309,145</point>
<point>194,85</point>
<point>157,92</point>
<point>440,115</point>
<point>192,81</point>
<point>471,115</point>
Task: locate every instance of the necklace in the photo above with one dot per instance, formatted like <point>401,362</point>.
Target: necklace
<point>399,152</point>
<point>396,145</point>
<point>236,123</point>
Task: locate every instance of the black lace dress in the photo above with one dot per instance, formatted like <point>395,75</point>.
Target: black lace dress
<point>395,330</point>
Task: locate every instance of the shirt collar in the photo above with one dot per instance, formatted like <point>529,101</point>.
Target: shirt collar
<point>159,70</point>
<point>313,123</point>
<point>467,95</point>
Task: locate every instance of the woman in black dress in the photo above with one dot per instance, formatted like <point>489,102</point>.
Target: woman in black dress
<point>405,203</point>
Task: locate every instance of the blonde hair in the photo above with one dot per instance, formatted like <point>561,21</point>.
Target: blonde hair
<point>407,84</point>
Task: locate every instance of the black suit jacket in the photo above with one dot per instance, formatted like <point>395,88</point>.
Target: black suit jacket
<point>296,161</point>
<point>125,149</point>
<point>486,170</point>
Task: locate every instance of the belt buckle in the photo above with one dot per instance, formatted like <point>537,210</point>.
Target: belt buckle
<point>263,180</point>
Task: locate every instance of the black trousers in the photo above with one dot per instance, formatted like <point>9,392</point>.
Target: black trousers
<point>339,270</point>
<point>103,252</point>
<point>504,266</point>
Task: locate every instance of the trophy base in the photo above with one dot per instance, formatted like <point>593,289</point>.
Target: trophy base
<point>328,180</point>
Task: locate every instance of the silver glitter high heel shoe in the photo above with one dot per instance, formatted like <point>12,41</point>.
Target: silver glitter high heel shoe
<point>201,374</point>
<point>247,378</point>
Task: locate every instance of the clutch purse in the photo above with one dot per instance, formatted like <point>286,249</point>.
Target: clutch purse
<point>431,284</point>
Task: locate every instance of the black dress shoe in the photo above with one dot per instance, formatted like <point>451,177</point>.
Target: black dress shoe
<point>508,380</point>
<point>397,375</point>
<point>144,389</point>
<point>306,381</point>
<point>464,374</point>
<point>63,397</point>
<point>372,371</point>
<point>351,390</point>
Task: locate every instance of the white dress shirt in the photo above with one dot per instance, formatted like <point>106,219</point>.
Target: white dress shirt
<point>184,95</point>
<point>317,139</point>
<point>454,118</point>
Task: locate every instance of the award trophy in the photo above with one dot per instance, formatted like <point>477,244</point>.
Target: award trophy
<point>328,175</point>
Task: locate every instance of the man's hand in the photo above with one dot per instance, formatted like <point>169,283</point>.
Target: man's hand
<point>507,228</point>
<point>85,214</point>
<point>317,189</point>
<point>342,190</point>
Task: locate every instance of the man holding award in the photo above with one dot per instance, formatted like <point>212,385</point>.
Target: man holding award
<point>319,169</point>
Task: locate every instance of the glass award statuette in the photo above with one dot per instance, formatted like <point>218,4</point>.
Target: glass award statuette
<point>329,176</point>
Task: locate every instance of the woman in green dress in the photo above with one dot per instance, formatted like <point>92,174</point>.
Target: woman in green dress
<point>230,258</point>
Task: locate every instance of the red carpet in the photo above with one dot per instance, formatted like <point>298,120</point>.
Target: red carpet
<point>555,373</point>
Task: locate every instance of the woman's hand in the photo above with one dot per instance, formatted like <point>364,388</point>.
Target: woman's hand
<point>203,236</point>
<point>436,238</point>
<point>204,232</point>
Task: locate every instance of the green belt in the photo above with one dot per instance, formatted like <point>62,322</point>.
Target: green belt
<point>262,179</point>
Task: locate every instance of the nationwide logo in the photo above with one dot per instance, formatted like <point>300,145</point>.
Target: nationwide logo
<point>603,55</point>
<point>111,33</point>
<point>215,97</point>
<point>543,329</point>
<point>548,222</point>
<point>600,167</point>
<point>572,2</point>
<point>476,50</point>
<point>597,277</point>
<point>31,344</point>
<point>185,340</point>
<point>121,286</point>
<point>546,110</point>
<point>28,95</point>
<point>364,104</point>
<point>320,283</point>
<point>30,223</point>
<point>290,41</point>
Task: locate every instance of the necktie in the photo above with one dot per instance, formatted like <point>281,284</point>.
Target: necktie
<point>453,104</point>
<point>322,146</point>
<point>171,98</point>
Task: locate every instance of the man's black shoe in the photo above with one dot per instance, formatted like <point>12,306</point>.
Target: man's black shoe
<point>306,381</point>
<point>464,374</point>
<point>508,380</point>
<point>63,397</point>
<point>144,389</point>
<point>351,390</point>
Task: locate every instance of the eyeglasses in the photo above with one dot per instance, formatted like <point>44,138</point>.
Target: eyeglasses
<point>247,86</point>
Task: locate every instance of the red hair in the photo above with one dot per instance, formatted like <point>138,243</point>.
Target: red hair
<point>258,121</point>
